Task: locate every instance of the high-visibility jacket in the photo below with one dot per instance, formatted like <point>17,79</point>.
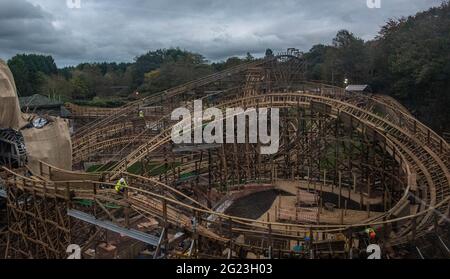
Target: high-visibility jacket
<point>371,233</point>
<point>141,114</point>
<point>120,186</point>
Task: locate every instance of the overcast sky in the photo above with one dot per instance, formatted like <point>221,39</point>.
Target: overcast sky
<point>119,30</point>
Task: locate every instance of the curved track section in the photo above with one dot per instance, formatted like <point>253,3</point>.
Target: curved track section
<point>419,147</point>
<point>421,158</point>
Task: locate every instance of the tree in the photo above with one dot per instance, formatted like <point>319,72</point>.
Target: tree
<point>178,67</point>
<point>21,75</point>
<point>80,88</point>
<point>350,60</point>
<point>412,64</point>
<point>269,53</point>
<point>315,60</point>
<point>26,69</point>
<point>57,85</point>
<point>153,60</point>
<point>249,57</point>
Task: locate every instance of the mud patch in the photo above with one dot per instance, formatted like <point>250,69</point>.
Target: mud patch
<point>254,205</point>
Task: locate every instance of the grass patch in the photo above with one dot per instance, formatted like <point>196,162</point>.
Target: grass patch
<point>156,168</point>
<point>88,203</point>
<point>100,167</point>
<point>101,103</point>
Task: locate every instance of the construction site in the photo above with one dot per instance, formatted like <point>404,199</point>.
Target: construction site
<point>354,169</point>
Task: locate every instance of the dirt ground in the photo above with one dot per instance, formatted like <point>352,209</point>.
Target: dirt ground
<point>253,206</point>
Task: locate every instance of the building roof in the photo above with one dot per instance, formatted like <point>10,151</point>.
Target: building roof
<point>358,88</point>
<point>65,113</point>
<point>38,101</point>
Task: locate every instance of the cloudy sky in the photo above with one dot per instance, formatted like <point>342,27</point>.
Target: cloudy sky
<point>118,30</point>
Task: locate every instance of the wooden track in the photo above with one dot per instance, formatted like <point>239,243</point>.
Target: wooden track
<point>89,112</point>
<point>134,106</point>
<point>147,200</point>
<point>108,144</point>
<point>411,149</point>
<point>422,155</point>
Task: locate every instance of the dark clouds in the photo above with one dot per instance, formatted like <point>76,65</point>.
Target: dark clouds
<point>117,30</point>
<point>28,28</point>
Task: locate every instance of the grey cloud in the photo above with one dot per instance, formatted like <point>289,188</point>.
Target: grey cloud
<point>19,10</point>
<point>25,28</point>
<point>117,30</point>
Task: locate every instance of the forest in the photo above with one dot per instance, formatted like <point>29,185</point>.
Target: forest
<point>409,59</point>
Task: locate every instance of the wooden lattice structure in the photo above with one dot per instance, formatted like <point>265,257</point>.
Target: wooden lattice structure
<point>362,152</point>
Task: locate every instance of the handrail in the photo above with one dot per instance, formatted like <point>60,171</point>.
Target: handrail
<point>330,228</point>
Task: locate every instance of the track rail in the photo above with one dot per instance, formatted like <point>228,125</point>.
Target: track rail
<point>421,154</point>
<point>419,146</point>
<point>154,98</point>
<point>150,201</point>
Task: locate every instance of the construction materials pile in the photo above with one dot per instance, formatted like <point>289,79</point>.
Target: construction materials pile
<point>46,138</point>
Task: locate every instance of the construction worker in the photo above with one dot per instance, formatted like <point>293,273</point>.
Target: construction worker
<point>141,114</point>
<point>298,248</point>
<point>121,185</point>
<point>194,223</point>
<point>371,233</point>
<point>307,237</point>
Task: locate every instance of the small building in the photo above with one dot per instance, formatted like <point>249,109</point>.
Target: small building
<point>41,104</point>
<point>359,88</point>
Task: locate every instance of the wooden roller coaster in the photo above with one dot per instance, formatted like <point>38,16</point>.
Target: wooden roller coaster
<point>361,160</point>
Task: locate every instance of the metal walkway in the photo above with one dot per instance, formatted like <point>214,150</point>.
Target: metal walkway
<point>132,233</point>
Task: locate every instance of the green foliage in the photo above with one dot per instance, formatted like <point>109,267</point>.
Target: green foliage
<point>409,59</point>
<point>80,88</point>
<point>113,102</point>
<point>172,74</point>
<point>249,57</point>
<point>316,58</point>
<point>29,71</point>
<point>230,62</point>
<point>269,53</point>
<point>415,63</point>
<point>111,84</point>
<point>154,167</point>
<point>56,85</point>
<point>154,60</point>
<point>345,59</point>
